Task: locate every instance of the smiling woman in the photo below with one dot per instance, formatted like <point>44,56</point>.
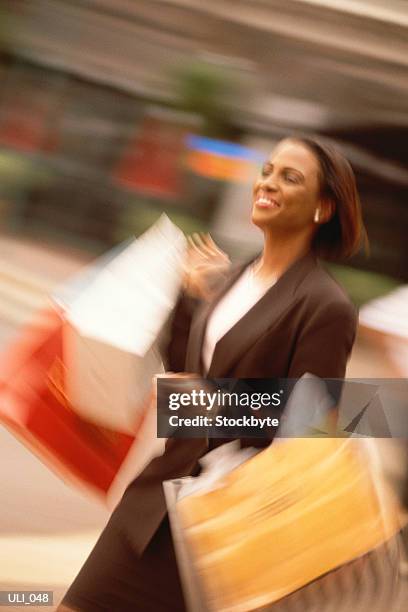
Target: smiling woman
<point>306,198</point>
<point>279,316</point>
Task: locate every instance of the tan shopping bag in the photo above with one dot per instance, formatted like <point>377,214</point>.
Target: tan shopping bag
<point>112,336</point>
<point>292,513</point>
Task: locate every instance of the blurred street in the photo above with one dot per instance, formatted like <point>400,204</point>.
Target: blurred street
<point>47,527</point>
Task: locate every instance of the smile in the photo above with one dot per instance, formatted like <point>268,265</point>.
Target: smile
<point>266,203</point>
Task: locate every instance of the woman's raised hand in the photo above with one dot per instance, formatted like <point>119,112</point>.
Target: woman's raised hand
<point>206,265</point>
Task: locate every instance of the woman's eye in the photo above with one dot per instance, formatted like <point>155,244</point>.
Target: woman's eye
<point>266,169</point>
<point>292,178</point>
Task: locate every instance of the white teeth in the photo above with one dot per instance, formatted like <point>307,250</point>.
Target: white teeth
<point>266,201</point>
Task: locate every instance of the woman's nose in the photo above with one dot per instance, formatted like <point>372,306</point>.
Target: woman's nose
<point>269,183</point>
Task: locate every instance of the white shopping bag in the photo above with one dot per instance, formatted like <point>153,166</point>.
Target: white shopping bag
<point>114,326</point>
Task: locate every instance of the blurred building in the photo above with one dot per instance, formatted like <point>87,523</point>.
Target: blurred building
<point>89,103</point>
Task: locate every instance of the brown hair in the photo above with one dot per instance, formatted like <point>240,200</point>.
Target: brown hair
<point>344,234</point>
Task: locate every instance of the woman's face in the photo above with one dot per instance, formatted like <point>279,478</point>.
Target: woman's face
<point>287,192</point>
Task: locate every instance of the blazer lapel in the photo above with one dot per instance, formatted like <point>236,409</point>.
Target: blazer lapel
<point>263,315</point>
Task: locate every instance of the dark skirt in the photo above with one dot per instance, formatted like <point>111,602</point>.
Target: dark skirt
<point>116,579</point>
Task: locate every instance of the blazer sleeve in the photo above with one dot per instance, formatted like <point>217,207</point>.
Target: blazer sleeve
<point>325,342</point>
<point>175,349</point>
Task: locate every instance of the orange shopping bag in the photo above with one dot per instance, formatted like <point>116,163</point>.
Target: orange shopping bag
<point>291,514</point>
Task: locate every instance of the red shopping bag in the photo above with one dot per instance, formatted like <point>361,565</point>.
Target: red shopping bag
<point>33,405</point>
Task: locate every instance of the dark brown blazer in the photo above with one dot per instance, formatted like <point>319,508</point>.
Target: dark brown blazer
<point>304,323</point>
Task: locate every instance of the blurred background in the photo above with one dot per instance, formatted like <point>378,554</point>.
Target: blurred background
<point>112,111</point>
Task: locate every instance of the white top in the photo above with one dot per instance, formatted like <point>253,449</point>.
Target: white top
<point>241,297</point>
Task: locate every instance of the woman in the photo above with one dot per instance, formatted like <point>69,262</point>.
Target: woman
<point>279,316</point>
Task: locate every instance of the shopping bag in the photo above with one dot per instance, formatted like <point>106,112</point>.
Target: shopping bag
<point>66,293</point>
<point>35,408</point>
<point>292,513</point>
<point>114,327</point>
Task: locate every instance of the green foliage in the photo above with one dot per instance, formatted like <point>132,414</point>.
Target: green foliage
<point>208,91</point>
<point>136,218</point>
<point>19,172</point>
<point>139,215</point>
<point>187,223</point>
<point>7,25</point>
<point>362,285</point>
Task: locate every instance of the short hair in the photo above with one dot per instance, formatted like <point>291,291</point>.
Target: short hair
<point>344,234</point>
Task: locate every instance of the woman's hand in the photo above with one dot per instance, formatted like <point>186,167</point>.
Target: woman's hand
<point>206,265</point>
<point>175,382</point>
<point>182,376</point>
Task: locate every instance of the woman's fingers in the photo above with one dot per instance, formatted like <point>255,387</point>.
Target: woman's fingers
<point>195,248</point>
<point>216,249</point>
<point>210,244</point>
<point>204,264</point>
<point>201,245</point>
<point>206,245</point>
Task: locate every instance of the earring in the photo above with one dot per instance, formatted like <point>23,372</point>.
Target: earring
<point>316,217</point>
